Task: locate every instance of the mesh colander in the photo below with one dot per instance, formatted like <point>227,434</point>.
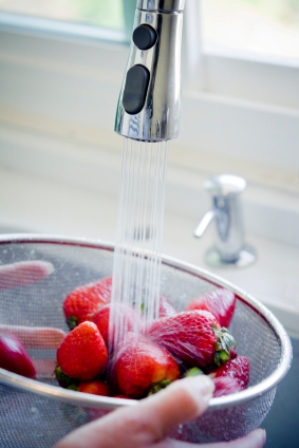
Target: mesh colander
<point>39,413</point>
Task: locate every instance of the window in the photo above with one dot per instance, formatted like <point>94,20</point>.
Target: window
<point>240,99</point>
<point>92,12</point>
<point>91,19</point>
<point>269,28</point>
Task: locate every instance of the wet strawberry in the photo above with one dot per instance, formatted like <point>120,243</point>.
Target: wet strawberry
<point>142,367</point>
<point>13,356</point>
<point>194,337</point>
<point>82,354</point>
<point>125,316</point>
<point>233,353</point>
<point>220,302</point>
<point>225,385</point>
<point>85,301</point>
<point>101,319</point>
<point>95,388</point>
<point>238,368</point>
<point>166,307</point>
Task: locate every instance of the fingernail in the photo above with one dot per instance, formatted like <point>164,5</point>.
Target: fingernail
<point>201,388</point>
<point>49,267</point>
<point>264,436</point>
<point>256,438</point>
<point>259,437</point>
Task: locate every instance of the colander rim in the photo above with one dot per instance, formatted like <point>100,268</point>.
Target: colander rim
<point>92,401</point>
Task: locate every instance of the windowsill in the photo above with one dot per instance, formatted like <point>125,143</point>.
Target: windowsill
<point>56,29</point>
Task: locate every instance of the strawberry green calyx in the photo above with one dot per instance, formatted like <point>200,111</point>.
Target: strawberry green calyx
<point>64,380</point>
<point>225,343</point>
<point>221,358</point>
<point>195,371</point>
<point>158,386</point>
<point>72,322</point>
<point>73,387</point>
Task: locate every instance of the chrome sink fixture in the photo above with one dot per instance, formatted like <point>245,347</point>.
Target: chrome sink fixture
<point>150,97</point>
<point>229,246</point>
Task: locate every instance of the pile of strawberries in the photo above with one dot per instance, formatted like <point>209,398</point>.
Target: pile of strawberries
<point>177,344</point>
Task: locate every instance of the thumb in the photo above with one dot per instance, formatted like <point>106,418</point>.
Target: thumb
<point>180,402</point>
<point>147,422</point>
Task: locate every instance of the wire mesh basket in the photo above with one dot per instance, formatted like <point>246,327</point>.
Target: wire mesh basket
<point>37,413</point>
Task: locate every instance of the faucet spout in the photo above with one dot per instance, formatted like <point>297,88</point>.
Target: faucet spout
<point>205,222</point>
<point>149,103</point>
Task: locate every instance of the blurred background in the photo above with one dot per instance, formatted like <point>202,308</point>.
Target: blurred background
<point>267,27</point>
<point>61,67</point>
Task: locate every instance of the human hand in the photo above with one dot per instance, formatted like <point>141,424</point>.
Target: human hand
<point>147,424</point>
<point>21,274</point>
<point>24,273</point>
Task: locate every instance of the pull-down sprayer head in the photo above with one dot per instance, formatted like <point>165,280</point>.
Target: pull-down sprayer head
<point>149,102</point>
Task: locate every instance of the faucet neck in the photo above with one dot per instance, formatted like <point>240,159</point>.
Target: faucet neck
<point>166,6</point>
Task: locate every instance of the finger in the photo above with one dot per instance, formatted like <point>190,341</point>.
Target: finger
<point>182,401</point>
<point>24,273</point>
<point>255,439</point>
<point>44,368</point>
<point>36,337</point>
<point>149,421</point>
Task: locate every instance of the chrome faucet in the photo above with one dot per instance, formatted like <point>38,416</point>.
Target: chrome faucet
<point>229,246</point>
<point>149,103</point>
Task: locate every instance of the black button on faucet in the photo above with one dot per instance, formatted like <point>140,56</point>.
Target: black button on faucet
<point>144,36</point>
<point>136,89</point>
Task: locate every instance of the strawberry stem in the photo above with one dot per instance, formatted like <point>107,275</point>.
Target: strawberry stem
<point>64,380</point>
<point>73,387</point>
<point>158,386</point>
<point>221,357</point>
<point>225,343</point>
<point>72,322</point>
<point>193,372</point>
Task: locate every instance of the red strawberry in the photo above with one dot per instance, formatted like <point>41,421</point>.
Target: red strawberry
<point>126,316</point>
<point>194,337</point>
<point>82,354</point>
<point>13,356</point>
<point>166,307</point>
<point>94,387</point>
<point>238,368</point>
<point>220,302</point>
<point>225,385</point>
<point>142,367</point>
<point>233,353</point>
<point>85,301</point>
